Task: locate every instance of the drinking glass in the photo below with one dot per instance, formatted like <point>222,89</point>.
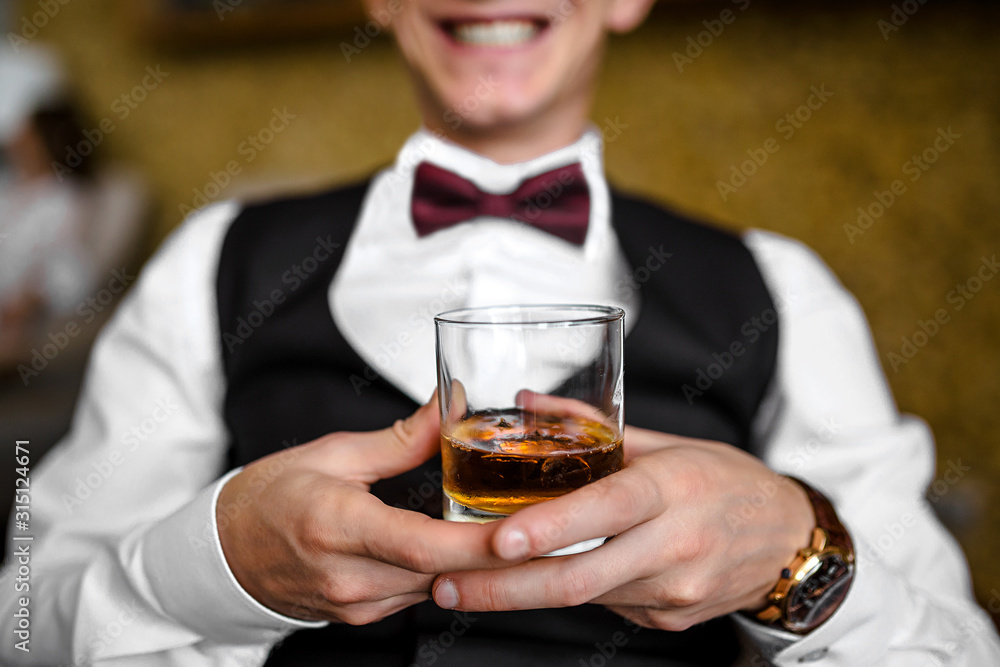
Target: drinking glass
<point>531,405</point>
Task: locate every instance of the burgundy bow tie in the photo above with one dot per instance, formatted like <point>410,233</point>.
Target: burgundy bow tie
<point>557,201</point>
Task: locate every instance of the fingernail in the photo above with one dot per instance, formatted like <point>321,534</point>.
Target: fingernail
<point>513,545</point>
<point>445,595</point>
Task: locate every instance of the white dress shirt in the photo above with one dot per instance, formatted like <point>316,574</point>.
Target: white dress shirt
<point>391,278</point>
<point>126,564</point>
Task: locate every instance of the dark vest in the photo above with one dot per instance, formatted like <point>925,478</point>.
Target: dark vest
<point>292,377</point>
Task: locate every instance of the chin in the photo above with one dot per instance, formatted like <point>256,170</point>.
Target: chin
<point>474,106</point>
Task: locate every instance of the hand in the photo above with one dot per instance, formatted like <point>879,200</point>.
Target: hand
<point>701,529</point>
<point>304,537</point>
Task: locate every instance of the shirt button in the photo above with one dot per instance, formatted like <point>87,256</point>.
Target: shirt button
<point>813,656</point>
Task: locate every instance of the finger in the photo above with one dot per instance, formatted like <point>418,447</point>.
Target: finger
<point>557,406</point>
<point>631,594</point>
<point>671,620</point>
<point>658,580</point>
<point>375,455</point>
<point>340,581</point>
<point>668,597</point>
<point>364,613</point>
<point>351,579</point>
<point>458,404</point>
<point>606,507</point>
<point>417,542</point>
<point>642,441</point>
<point>536,584</point>
<point>390,606</point>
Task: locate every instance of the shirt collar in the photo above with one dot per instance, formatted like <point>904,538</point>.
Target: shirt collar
<point>490,176</point>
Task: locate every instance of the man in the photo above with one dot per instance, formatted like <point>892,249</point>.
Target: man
<point>258,328</point>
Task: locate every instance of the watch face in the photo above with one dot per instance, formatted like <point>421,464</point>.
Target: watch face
<point>819,594</point>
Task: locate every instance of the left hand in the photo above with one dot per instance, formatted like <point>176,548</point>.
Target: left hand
<point>701,529</point>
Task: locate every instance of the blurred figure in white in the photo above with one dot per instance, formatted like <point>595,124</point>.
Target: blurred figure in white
<point>45,268</point>
<point>67,222</point>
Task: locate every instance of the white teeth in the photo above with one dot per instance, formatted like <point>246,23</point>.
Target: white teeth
<point>496,33</point>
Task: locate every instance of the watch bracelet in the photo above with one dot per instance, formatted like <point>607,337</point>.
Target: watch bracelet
<point>826,517</point>
<point>836,534</point>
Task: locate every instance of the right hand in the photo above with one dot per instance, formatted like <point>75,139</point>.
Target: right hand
<point>303,535</point>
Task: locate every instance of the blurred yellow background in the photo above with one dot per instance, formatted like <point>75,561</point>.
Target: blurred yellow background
<point>683,124</point>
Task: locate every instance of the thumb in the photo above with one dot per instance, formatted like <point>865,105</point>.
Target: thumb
<point>375,455</point>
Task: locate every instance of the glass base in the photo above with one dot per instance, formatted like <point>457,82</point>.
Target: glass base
<point>456,511</point>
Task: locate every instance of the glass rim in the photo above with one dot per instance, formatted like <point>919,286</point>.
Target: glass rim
<point>597,315</point>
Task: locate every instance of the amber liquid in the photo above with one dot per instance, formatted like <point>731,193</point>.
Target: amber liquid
<point>501,461</point>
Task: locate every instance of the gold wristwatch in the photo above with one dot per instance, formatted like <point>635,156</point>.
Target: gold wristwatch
<point>816,582</point>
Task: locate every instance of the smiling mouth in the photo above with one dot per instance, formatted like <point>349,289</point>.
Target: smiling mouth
<point>494,33</point>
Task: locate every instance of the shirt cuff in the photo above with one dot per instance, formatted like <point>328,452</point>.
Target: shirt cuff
<point>190,578</point>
